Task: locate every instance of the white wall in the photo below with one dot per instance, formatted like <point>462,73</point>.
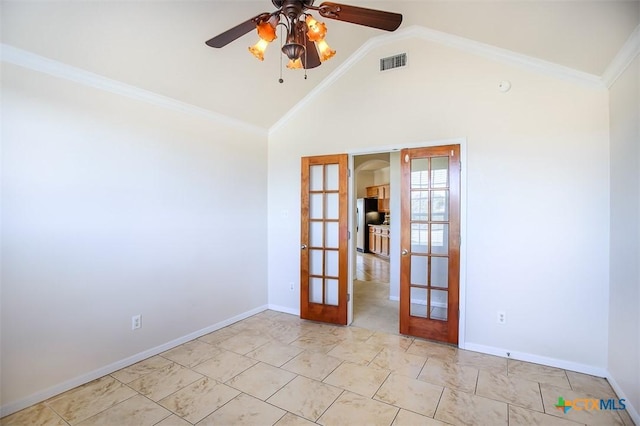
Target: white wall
<point>112,207</point>
<point>624,294</point>
<point>537,207</point>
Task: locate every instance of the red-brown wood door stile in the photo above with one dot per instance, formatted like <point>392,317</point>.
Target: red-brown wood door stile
<point>430,243</point>
<point>324,239</point>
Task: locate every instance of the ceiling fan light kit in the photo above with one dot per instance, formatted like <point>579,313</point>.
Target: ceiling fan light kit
<point>305,45</point>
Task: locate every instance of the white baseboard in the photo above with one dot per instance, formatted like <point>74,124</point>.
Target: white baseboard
<point>284,309</point>
<point>537,359</point>
<point>633,412</point>
<point>13,407</point>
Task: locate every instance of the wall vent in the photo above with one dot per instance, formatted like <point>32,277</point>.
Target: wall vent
<point>396,61</point>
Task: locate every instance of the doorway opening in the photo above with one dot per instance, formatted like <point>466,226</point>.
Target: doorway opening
<point>374,304</point>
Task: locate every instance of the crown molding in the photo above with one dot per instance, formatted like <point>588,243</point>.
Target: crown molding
<point>630,51</point>
<point>456,42</point>
<point>32,61</point>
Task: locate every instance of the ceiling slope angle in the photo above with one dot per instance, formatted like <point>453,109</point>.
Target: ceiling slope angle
<point>159,46</point>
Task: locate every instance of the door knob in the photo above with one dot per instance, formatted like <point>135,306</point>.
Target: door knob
<point>303,247</point>
<point>405,252</point>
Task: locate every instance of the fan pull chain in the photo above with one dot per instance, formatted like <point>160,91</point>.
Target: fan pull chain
<point>281,80</point>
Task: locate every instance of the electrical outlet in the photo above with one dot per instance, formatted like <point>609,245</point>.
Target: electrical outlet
<point>291,286</point>
<point>136,322</point>
<point>502,317</point>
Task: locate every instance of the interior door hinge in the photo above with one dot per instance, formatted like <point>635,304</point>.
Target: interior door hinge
<point>349,235</point>
<point>349,172</point>
<point>348,297</point>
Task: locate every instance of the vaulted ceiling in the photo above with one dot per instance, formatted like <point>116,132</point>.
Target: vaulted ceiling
<point>159,45</point>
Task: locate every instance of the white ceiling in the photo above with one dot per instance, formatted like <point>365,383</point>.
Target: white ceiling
<point>159,45</point>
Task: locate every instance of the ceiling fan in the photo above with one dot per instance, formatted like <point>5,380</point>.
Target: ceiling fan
<point>305,44</point>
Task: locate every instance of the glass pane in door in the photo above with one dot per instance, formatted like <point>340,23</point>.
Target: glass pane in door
<point>332,177</point>
<point>439,302</point>
<point>418,302</point>
<point>315,290</point>
<point>419,173</point>
<point>315,262</point>
<point>316,206</point>
<point>316,234</point>
<point>420,205</point>
<point>333,206</point>
<point>332,232</point>
<point>331,292</point>
<point>439,172</point>
<point>440,206</point>
<point>439,238</point>
<point>316,178</point>
<point>439,272</point>
<point>419,270</point>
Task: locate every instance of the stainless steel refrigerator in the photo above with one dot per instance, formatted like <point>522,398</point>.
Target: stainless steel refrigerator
<point>367,213</point>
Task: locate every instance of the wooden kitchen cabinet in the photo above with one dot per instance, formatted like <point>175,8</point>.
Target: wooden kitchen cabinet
<point>382,193</point>
<point>379,240</point>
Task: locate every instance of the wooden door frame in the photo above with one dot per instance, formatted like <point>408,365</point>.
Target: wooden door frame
<point>395,224</point>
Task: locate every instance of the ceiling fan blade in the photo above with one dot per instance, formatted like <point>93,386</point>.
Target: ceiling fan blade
<point>236,32</point>
<point>382,20</point>
<point>310,59</point>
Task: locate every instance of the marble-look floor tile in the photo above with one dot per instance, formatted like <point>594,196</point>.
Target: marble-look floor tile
<point>596,386</point>
<point>142,368</point>
<point>261,380</point>
<point>361,379</point>
<point>286,333</point>
<point>244,410</point>
<point>37,415</point>
<point>461,408</point>
<point>432,350</point>
<point>317,342</point>
<point>352,334</point>
<point>399,362</point>
<point>538,373</point>
<point>391,341</point>
<point>448,374</point>
<point>243,343</point>
<point>174,420</point>
<point>218,336</point>
<point>88,400</point>
<point>225,366</point>
<point>410,394</point>
<point>492,364</point>
<point>196,401</point>
<point>293,420</point>
<point>191,353</point>
<point>314,365</point>
<point>356,352</point>
<point>585,415</point>
<point>519,416</point>
<point>408,418</point>
<point>352,409</point>
<point>165,381</point>
<point>512,390</point>
<point>138,410</point>
<point>275,353</point>
<point>305,397</point>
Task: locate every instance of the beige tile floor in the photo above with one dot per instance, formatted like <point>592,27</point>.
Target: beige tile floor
<point>275,369</point>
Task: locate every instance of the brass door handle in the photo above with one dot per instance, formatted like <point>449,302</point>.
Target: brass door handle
<point>303,247</point>
<point>405,252</point>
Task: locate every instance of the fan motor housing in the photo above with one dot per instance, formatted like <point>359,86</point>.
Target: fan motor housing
<point>304,3</point>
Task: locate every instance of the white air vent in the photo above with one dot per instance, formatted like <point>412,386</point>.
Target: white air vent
<point>392,62</point>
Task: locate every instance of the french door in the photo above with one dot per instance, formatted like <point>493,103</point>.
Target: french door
<point>324,239</point>
<point>430,243</point>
